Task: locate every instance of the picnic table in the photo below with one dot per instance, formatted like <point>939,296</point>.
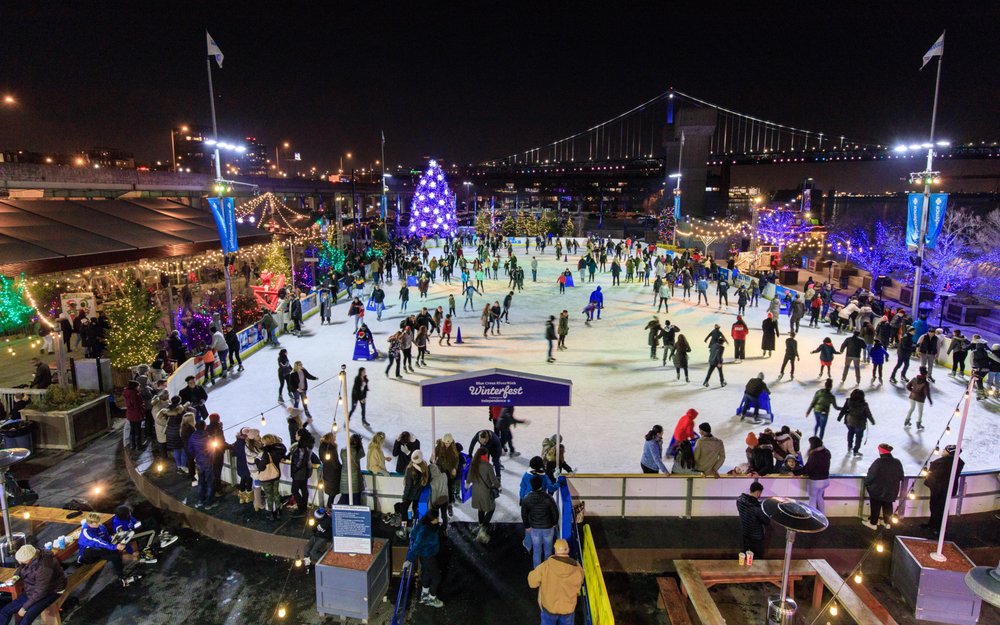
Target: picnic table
<point>697,576</point>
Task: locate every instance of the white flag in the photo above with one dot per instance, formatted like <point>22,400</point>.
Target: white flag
<point>213,49</point>
<point>936,50</point>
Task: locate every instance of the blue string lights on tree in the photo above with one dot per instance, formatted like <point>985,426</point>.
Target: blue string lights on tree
<point>433,210</point>
<point>881,250</point>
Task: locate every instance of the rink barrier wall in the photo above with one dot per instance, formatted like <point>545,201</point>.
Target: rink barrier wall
<point>638,495</point>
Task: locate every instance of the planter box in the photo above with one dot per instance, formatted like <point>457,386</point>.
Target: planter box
<point>906,295</point>
<point>788,277</point>
<point>965,314</point>
<point>69,429</point>
<point>935,590</point>
<point>352,585</point>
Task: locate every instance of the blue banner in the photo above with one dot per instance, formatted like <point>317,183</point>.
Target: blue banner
<point>224,213</point>
<point>677,207</point>
<point>935,220</point>
<point>495,387</point>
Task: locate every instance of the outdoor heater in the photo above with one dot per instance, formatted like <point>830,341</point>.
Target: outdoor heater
<point>985,582</point>
<point>795,517</point>
<point>10,542</point>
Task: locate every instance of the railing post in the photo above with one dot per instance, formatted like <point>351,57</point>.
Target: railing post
<point>624,480</point>
<point>690,496</point>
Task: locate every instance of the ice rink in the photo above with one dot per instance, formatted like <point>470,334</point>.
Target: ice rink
<point>618,391</point>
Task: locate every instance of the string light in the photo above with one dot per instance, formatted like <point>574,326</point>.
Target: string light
<point>263,421</point>
<point>879,547</point>
<point>857,577</point>
<point>282,612</point>
<point>834,610</point>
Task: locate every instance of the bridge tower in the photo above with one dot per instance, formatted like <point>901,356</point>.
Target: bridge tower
<point>697,126</point>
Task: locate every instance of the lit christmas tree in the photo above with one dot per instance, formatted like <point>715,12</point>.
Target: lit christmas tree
<point>433,210</point>
<point>14,312</point>
<point>135,330</point>
<point>276,261</point>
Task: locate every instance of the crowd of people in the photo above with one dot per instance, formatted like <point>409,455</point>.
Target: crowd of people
<point>183,429</point>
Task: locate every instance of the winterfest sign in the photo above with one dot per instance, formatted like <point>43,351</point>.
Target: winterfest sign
<point>498,387</point>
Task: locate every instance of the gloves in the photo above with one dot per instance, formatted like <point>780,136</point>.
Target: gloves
<point>406,564</point>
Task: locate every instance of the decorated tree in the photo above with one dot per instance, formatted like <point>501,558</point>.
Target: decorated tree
<point>432,212</point>
<point>782,228</point>
<point>508,226</point>
<point>331,258</point>
<point>880,250</point>
<point>569,229</point>
<point>14,311</point>
<point>276,260</point>
<point>666,223</point>
<point>548,223</point>
<point>134,335</point>
<point>951,266</point>
<point>484,222</point>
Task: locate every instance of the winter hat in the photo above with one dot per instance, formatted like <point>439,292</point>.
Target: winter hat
<point>537,464</point>
<point>319,513</point>
<point>950,449</point>
<point>751,440</point>
<point>884,448</point>
<point>214,417</point>
<point>25,554</point>
<point>448,439</point>
<point>417,457</point>
<point>705,427</point>
<point>770,315</point>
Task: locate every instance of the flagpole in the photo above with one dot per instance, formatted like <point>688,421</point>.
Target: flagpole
<point>925,211</point>
<point>218,178</point>
<point>385,201</point>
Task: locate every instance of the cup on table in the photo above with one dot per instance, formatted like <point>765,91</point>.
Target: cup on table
<point>749,558</point>
<point>743,558</point>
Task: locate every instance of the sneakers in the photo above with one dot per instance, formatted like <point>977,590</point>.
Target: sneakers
<point>869,525</point>
<point>167,539</point>
<point>128,581</point>
<point>432,601</point>
<point>147,558</point>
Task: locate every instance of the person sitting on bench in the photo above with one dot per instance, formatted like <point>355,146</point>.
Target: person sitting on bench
<point>152,539</point>
<point>43,580</point>
<point>95,545</point>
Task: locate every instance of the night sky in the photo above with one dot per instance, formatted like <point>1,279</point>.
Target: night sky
<point>480,80</point>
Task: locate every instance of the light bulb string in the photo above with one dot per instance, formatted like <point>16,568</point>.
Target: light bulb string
<point>901,505</point>
<point>261,414</point>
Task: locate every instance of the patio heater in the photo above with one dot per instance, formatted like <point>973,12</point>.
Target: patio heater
<point>795,517</point>
<point>985,582</point>
<point>8,458</point>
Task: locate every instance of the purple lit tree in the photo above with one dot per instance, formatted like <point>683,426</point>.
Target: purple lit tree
<point>782,228</point>
<point>432,212</point>
<point>881,250</point>
<point>951,266</point>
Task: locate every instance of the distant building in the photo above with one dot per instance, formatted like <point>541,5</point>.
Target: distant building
<point>253,162</point>
<point>109,158</point>
<point>190,152</point>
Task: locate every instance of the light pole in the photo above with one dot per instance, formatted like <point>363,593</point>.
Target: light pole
<point>928,176</point>
<point>349,156</point>
<point>468,186</point>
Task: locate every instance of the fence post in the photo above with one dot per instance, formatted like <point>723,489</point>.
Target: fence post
<point>624,480</point>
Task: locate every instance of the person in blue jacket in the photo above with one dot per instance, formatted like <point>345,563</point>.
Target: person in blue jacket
<point>878,355</point>
<point>919,329</point>
<point>537,467</point>
<point>95,545</point>
<point>597,298</point>
<point>425,543</point>
<point>652,452</point>
<point>124,522</point>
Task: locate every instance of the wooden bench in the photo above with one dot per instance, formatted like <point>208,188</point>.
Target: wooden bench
<point>672,601</point>
<point>79,576</point>
<point>694,588</point>
<point>863,607</point>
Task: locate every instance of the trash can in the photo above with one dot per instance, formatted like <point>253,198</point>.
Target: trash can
<point>19,434</point>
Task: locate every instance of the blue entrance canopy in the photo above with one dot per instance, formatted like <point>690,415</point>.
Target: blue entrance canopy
<point>495,387</point>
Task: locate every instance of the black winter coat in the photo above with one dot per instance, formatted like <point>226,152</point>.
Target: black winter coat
<point>938,474</point>
<point>331,468</point>
<point>539,510</point>
<point>884,478</point>
<point>752,517</point>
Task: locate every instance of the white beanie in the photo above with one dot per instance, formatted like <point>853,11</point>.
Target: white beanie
<point>25,554</point>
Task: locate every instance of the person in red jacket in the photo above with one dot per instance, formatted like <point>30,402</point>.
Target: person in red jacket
<point>739,334</point>
<point>134,412</point>
<point>684,430</point>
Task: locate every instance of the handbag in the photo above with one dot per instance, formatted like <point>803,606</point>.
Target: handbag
<point>494,492</point>
<point>269,473</point>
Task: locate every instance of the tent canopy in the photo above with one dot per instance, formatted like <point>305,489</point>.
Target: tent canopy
<point>495,387</point>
